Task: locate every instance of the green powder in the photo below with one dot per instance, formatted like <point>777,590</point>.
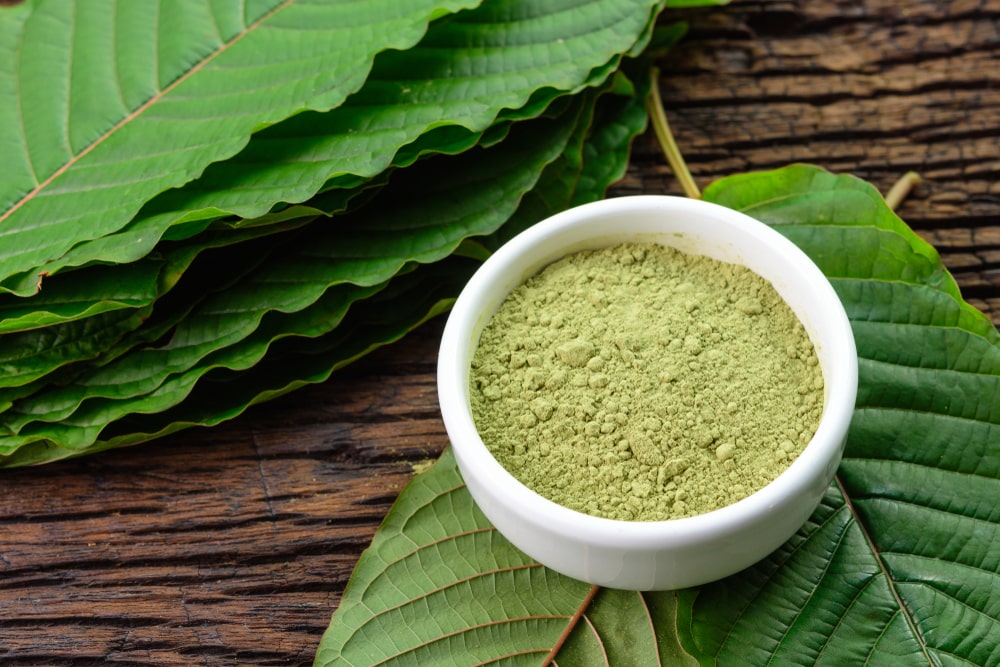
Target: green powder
<point>641,383</point>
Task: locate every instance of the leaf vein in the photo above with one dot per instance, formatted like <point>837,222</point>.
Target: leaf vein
<point>937,561</point>
<point>529,651</point>
<point>880,562</point>
<point>597,637</point>
<point>914,410</point>
<point>428,545</point>
<point>456,633</point>
<point>116,73</point>
<point>890,408</point>
<point>881,636</point>
<point>760,590</point>
<point>652,626</point>
<point>955,656</point>
<point>832,277</point>
<point>430,501</point>
<point>20,107</point>
<point>451,584</point>
<point>962,603</point>
<point>156,50</point>
<point>933,369</point>
<point>72,161</point>
<point>827,564</point>
<point>67,111</point>
<point>571,623</point>
<point>215,24</point>
<point>842,617</point>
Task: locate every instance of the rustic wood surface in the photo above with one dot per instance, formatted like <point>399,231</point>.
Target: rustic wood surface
<point>233,545</point>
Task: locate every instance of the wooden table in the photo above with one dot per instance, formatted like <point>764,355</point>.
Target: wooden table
<point>233,545</point>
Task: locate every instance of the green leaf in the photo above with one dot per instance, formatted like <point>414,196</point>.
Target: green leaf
<point>482,73</point>
<point>896,566</point>
<point>28,356</point>
<point>840,210</point>
<point>58,356</point>
<point>292,362</point>
<point>101,288</point>
<point>428,292</point>
<point>439,585</point>
<point>428,589</point>
<point>72,422</point>
<point>510,59</point>
<point>143,101</point>
<point>300,278</point>
<point>905,550</point>
<point>98,290</point>
<point>502,57</point>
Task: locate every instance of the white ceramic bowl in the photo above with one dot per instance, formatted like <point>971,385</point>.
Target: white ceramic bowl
<point>661,554</point>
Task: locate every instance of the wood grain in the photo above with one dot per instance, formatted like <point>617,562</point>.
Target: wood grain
<point>233,545</point>
<point>221,546</point>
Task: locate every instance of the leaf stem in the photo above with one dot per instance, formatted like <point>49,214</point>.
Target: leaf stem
<point>897,193</point>
<point>570,625</point>
<point>654,106</point>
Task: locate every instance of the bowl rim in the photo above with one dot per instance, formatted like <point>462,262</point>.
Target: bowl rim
<point>811,465</point>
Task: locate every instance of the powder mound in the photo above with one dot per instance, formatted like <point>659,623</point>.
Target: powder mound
<point>575,353</point>
<point>640,383</point>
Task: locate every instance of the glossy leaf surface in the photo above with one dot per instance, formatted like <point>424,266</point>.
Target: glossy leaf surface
<point>148,98</point>
<point>467,70</point>
<point>131,314</point>
<point>301,286</point>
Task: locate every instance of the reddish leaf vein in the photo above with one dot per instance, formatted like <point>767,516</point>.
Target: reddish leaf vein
<point>478,626</point>
<point>132,116</point>
<point>574,619</point>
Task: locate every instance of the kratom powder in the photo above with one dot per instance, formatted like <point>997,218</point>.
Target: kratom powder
<point>641,383</point>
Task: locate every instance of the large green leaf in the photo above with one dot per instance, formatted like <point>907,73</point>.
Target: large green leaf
<point>904,550</point>
<point>143,98</point>
<point>298,288</point>
<point>897,566</point>
<point>468,68</point>
<point>389,116</point>
<point>482,72</point>
<point>292,362</point>
<point>364,248</point>
<point>429,588</point>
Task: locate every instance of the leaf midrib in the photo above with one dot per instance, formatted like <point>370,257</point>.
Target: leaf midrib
<point>884,569</point>
<point>571,623</point>
<point>462,631</point>
<point>194,69</point>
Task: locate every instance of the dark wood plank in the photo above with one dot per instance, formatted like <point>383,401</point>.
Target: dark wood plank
<point>233,545</point>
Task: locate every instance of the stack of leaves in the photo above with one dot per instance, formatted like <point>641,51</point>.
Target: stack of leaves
<point>205,208</point>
